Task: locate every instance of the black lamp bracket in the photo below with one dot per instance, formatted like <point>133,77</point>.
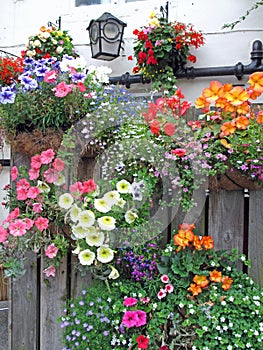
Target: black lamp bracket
<point>238,70</point>
<point>57,24</point>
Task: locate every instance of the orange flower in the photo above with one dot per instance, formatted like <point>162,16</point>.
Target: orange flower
<point>195,289</point>
<point>253,94</point>
<point>201,281</point>
<point>43,29</point>
<point>225,143</point>
<point>197,243</point>
<point>183,238</point>
<point>221,102</point>
<point>242,122</point>
<point>237,96</point>
<point>201,102</point>
<point>244,108</point>
<point>228,128</point>
<point>186,227</point>
<point>260,117</point>
<point>256,81</point>
<point>227,282</point>
<point>208,242</point>
<point>212,93</point>
<point>216,276</point>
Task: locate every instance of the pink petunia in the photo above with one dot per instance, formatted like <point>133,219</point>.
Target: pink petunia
<point>47,156</point>
<point>76,189</point>
<point>58,164</point>
<point>51,251</point>
<point>37,207</point>
<point>29,223</point>
<point>141,316</point>
<point>161,294</point>
<point>50,77</point>
<point>130,319</point>
<point>12,215</point>
<point>17,228</point>
<point>169,288</point>
<point>33,173</point>
<point>41,223</point>
<point>164,278</point>
<point>51,175</point>
<point>3,234</point>
<point>89,186</point>
<point>62,89</point>
<point>33,192</point>
<point>50,271</point>
<point>36,162</point>
<point>14,173</point>
<point>22,187</point>
<point>130,301</point>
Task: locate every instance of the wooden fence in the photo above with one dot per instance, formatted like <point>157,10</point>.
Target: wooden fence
<point>233,218</point>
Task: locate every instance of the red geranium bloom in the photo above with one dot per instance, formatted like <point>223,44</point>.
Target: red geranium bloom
<point>142,342</point>
<point>180,152</point>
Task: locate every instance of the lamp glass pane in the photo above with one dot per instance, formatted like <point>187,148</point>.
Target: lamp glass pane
<point>111,31</point>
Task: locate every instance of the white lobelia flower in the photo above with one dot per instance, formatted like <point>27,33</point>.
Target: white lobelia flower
<point>130,216</point>
<point>94,237</point>
<point>65,201</point>
<point>112,197</point>
<point>102,205</point>
<point>114,273</point>
<point>74,212</point>
<point>86,257</point>
<point>86,218</point>
<point>79,231</point>
<point>107,223</point>
<point>123,186</point>
<point>105,254</point>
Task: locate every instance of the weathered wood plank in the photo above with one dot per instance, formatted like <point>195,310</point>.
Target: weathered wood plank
<point>22,308</point>
<point>78,282</point>
<point>226,219</point>
<point>255,241</point>
<point>53,295</point>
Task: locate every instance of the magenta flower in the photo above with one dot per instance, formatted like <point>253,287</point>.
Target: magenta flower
<point>41,223</point>
<point>36,162</point>
<point>130,319</point>
<point>3,234</point>
<point>141,316</point>
<point>50,271</point>
<point>33,173</point>
<point>62,89</point>
<point>37,207</point>
<point>50,77</point>
<point>47,156</point>
<point>14,173</point>
<point>17,228</point>
<point>76,188</point>
<point>58,164</point>
<point>29,223</point>
<point>51,175</point>
<point>130,301</point>
<point>51,251</point>
<point>33,192</point>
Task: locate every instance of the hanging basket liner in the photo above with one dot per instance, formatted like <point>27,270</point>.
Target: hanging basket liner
<point>35,142</point>
<point>232,180</point>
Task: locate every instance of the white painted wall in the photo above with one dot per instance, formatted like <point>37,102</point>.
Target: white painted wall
<point>21,18</point>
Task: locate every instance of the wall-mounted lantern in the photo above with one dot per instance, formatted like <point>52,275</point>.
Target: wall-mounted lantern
<point>106,35</point>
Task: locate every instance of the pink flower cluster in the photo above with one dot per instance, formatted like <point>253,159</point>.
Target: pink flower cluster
<point>133,318</point>
<point>167,289</point>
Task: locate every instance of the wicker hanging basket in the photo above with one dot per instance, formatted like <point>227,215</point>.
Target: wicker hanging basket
<point>232,180</point>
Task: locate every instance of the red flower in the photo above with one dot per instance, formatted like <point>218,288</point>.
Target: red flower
<point>164,347</point>
<point>142,56</point>
<point>191,58</point>
<point>169,128</point>
<point>130,58</point>
<point>180,152</point>
<point>155,127</point>
<point>142,342</point>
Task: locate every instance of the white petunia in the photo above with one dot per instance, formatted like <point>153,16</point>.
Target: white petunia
<point>105,254</point>
<point>121,203</point>
<point>79,231</point>
<point>102,205</point>
<point>112,197</point>
<point>43,186</point>
<point>86,257</point>
<point>61,180</point>
<point>74,212</point>
<point>114,273</point>
<point>86,218</point>
<point>123,186</point>
<point>107,223</point>
<point>130,216</point>
<point>65,201</point>
<point>94,237</point>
